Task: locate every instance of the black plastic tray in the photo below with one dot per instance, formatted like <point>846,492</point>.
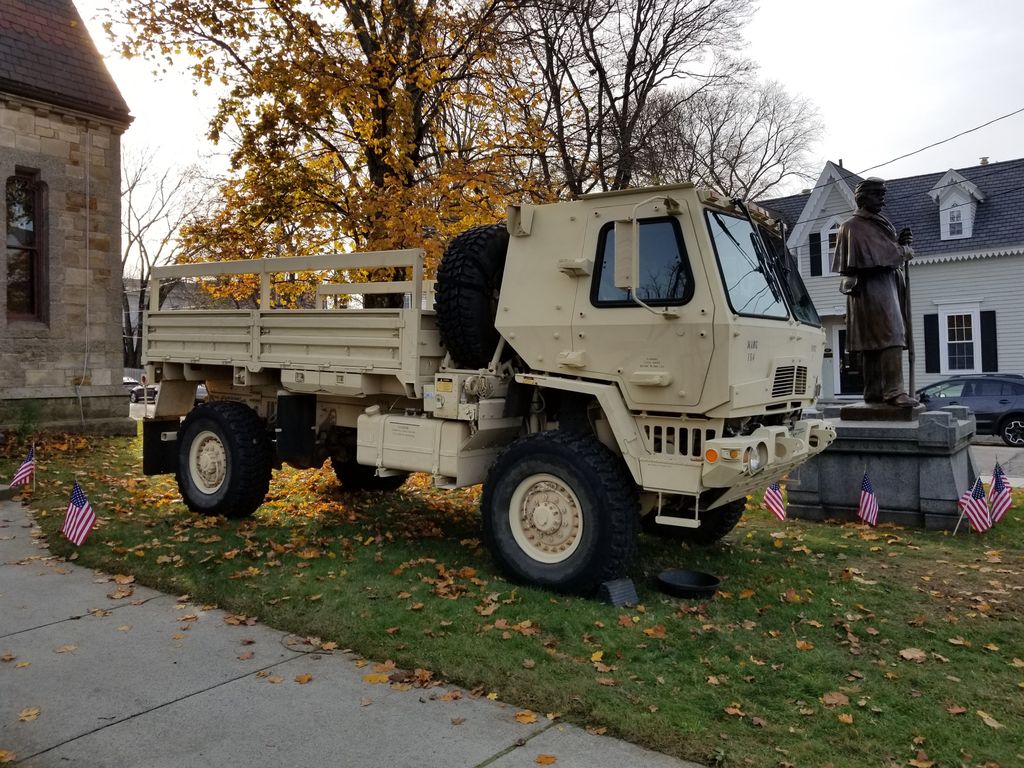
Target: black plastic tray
<point>682,583</point>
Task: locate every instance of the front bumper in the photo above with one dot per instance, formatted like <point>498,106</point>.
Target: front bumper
<point>754,461</point>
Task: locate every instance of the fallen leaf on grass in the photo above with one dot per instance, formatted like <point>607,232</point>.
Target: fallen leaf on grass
<point>735,710</point>
<point>526,718</point>
<point>124,579</point>
<point>758,722</point>
<point>959,641</point>
<point>605,681</point>
<point>956,709</point>
<point>803,645</point>
<point>913,654</point>
<point>835,698</point>
<point>597,730</point>
<point>545,760</point>
<point>988,720</point>
<point>28,714</point>
<point>393,630</point>
<point>529,663</point>
<point>714,680</point>
<point>597,655</point>
<point>656,631</point>
<point>746,594</point>
<point>922,761</point>
<point>845,717</point>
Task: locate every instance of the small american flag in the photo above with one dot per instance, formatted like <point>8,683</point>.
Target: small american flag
<point>79,519</point>
<point>27,469</point>
<point>868,508</point>
<point>999,494</point>
<point>975,507</point>
<point>773,500</point>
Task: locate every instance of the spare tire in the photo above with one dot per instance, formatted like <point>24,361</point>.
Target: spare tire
<point>468,285</point>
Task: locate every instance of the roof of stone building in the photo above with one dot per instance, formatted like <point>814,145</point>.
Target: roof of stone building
<point>46,54</point>
<point>998,223</point>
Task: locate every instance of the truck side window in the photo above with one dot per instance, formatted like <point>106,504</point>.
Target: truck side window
<point>665,277</point>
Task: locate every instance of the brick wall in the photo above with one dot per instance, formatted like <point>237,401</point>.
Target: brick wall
<point>65,371</point>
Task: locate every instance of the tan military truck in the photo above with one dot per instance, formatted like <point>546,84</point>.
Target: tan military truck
<point>641,356</point>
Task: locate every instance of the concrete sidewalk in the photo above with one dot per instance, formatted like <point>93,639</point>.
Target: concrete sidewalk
<point>148,680</point>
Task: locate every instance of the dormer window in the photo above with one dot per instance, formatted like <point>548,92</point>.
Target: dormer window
<point>957,202</point>
<point>956,221</point>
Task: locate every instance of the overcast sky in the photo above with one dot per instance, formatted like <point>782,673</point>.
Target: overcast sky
<point>889,77</point>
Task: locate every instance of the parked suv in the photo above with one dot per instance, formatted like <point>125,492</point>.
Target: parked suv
<point>996,399</point>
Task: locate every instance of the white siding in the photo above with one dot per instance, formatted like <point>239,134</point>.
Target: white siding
<point>994,283</point>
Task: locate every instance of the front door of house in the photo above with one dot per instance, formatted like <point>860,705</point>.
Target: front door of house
<point>851,377</point>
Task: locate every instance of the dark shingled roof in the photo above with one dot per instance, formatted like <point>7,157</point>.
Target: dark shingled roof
<point>999,222</point>
<point>46,54</point>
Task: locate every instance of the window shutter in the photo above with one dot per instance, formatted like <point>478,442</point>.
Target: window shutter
<point>815,243</point>
<point>989,356</point>
<point>931,344</point>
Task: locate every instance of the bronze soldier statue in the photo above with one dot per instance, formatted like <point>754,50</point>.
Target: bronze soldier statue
<point>870,256</point>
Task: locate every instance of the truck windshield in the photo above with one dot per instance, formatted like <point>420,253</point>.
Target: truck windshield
<point>793,285</point>
<point>751,280</point>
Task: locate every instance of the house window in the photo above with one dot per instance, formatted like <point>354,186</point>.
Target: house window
<point>24,245</point>
<point>956,221</point>
<point>832,236</point>
<point>960,342</point>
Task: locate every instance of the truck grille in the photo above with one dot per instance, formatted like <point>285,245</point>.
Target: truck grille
<point>667,438</point>
<point>790,380</point>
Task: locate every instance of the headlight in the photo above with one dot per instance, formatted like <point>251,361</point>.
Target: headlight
<point>758,457</point>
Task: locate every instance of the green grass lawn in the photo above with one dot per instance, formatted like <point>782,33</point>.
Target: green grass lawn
<point>828,644</point>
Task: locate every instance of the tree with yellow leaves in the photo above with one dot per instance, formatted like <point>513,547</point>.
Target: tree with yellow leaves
<point>356,124</point>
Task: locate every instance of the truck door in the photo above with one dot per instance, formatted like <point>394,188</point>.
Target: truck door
<point>659,355</point>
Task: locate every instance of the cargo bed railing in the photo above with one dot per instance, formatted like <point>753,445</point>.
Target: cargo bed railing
<point>401,342</point>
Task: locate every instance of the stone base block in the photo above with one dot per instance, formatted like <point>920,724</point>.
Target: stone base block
<point>917,468</point>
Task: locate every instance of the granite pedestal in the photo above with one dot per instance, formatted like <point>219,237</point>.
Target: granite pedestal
<point>918,469</point>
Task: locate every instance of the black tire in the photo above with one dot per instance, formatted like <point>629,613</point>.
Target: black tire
<point>588,501</point>
<point>1011,430</point>
<point>357,477</point>
<point>715,524</point>
<point>230,440</point>
<point>468,282</point>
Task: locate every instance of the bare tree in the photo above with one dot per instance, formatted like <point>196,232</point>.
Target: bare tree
<point>597,64</point>
<point>741,139</point>
<point>155,202</point>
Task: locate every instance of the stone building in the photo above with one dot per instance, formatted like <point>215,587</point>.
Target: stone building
<point>61,119</point>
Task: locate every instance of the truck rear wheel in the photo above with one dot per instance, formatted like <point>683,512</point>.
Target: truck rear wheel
<point>560,511</point>
<point>715,524</point>
<point>224,460</point>
<point>358,477</point>
<point>468,281</point>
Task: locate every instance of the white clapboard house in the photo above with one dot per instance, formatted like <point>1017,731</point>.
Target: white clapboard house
<point>967,277</point>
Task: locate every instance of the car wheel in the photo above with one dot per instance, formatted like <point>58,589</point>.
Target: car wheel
<point>1011,430</point>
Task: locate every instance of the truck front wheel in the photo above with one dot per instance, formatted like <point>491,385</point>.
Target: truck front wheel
<point>560,511</point>
<point>224,460</point>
